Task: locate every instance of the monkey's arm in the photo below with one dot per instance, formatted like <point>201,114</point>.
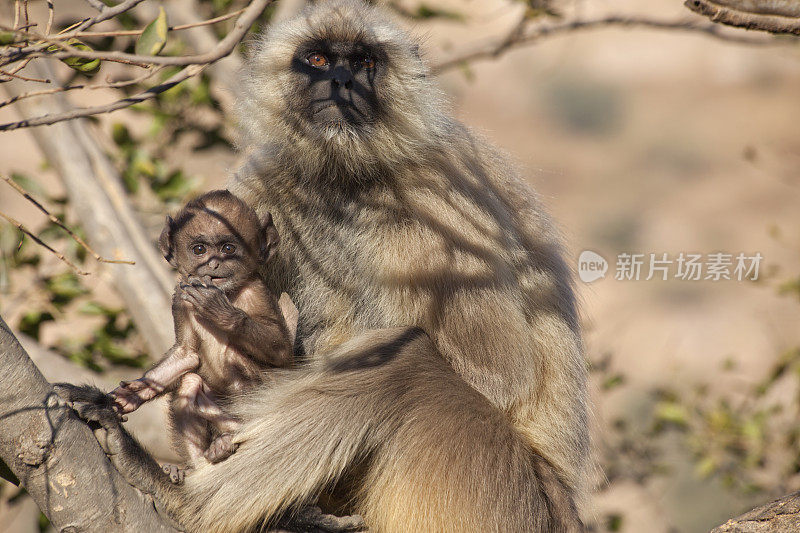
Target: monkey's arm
<point>130,395</point>
<point>179,360</point>
<point>185,503</point>
<point>263,335</point>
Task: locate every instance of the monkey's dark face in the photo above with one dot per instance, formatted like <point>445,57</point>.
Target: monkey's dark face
<point>339,83</point>
<point>212,246</point>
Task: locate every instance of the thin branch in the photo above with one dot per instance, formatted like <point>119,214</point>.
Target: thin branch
<point>19,67</point>
<point>109,85</point>
<point>126,33</point>
<point>223,47</point>
<point>196,64</point>
<point>51,13</point>
<point>97,4</point>
<point>40,242</point>
<point>13,74</point>
<point>496,49</point>
<point>52,118</point>
<point>773,17</point>
<point>105,14</point>
<point>25,194</point>
<point>68,50</point>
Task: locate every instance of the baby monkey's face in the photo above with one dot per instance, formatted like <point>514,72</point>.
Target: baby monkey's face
<point>209,245</point>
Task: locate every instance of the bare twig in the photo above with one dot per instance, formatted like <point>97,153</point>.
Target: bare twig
<point>68,50</point>
<point>196,64</point>
<point>105,14</point>
<point>496,49</point>
<point>109,85</point>
<point>19,67</point>
<point>223,47</point>
<point>769,16</point>
<point>51,13</point>
<point>125,33</point>
<point>97,4</point>
<point>16,13</point>
<point>186,73</point>
<point>61,225</point>
<point>40,242</point>
<point>13,74</point>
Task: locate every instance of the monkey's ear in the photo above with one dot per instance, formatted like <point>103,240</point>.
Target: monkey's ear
<point>165,240</point>
<point>271,238</point>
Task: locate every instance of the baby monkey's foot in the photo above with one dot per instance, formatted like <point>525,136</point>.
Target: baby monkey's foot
<point>176,473</point>
<point>220,448</point>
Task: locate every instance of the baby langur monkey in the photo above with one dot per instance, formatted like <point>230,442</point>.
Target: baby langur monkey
<point>228,326</point>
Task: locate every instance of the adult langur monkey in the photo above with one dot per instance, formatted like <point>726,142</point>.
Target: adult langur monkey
<point>466,410</point>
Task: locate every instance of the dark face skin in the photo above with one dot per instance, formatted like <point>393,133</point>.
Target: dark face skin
<point>341,82</point>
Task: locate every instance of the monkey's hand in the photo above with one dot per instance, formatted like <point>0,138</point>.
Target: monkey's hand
<point>130,395</point>
<point>211,303</point>
<point>96,408</point>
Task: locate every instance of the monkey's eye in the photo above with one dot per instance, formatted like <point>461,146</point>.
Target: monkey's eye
<point>317,60</point>
<point>199,249</point>
<point>367,63</point>
<point>228,248</point>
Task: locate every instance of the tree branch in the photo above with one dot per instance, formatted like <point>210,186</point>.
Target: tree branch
<point>773,16</point>
<point>79,112</point>
<point>57,458</point>
<point>98,198</point>
<point>147,423</point>
<point>516,39</point>
<point>223,47</point>
<point>782,514</point>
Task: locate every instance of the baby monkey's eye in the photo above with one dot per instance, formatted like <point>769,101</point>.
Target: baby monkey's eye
<point>367,63</point>
<point>317,60</point>
<point>228,248</point>
<point>199,249</point>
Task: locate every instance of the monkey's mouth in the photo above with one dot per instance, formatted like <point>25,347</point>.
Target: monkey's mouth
<point>338,112</point>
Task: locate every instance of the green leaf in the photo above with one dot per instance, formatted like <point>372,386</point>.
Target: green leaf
<point>672,412</point>
<point>154,36</point>
<point>64,288</point>
<point>614,381</point>
<point>705,467</point>
<point>7,37</point>
<point>81,64</point>
<point>425,11</point>
<point>32,321</point>
<point>94,309</point>
<point>29,184</point>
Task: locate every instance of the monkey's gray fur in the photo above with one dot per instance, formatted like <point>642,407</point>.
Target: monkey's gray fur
<point>402,218</point>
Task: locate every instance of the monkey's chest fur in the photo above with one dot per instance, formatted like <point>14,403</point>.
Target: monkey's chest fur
<point>224,369</point>
<point>400,257</point>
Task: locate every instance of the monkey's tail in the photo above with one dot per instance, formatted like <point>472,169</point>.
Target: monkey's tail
<point>295,440</point>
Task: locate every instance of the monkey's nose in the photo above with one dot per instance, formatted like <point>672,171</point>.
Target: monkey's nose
<point>342,78</point>
<point>213,263</point>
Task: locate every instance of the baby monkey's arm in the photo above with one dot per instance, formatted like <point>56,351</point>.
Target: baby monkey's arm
<point>130,395</point>
<point>262,334</point>
<point>179,360</point>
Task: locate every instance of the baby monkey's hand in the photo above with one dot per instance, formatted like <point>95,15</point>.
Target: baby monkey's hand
<point>130,395</point>
<point>210,302</point>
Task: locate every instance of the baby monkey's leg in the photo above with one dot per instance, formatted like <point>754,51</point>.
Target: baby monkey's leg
<point>191,431</point>
<point>222,446</point>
